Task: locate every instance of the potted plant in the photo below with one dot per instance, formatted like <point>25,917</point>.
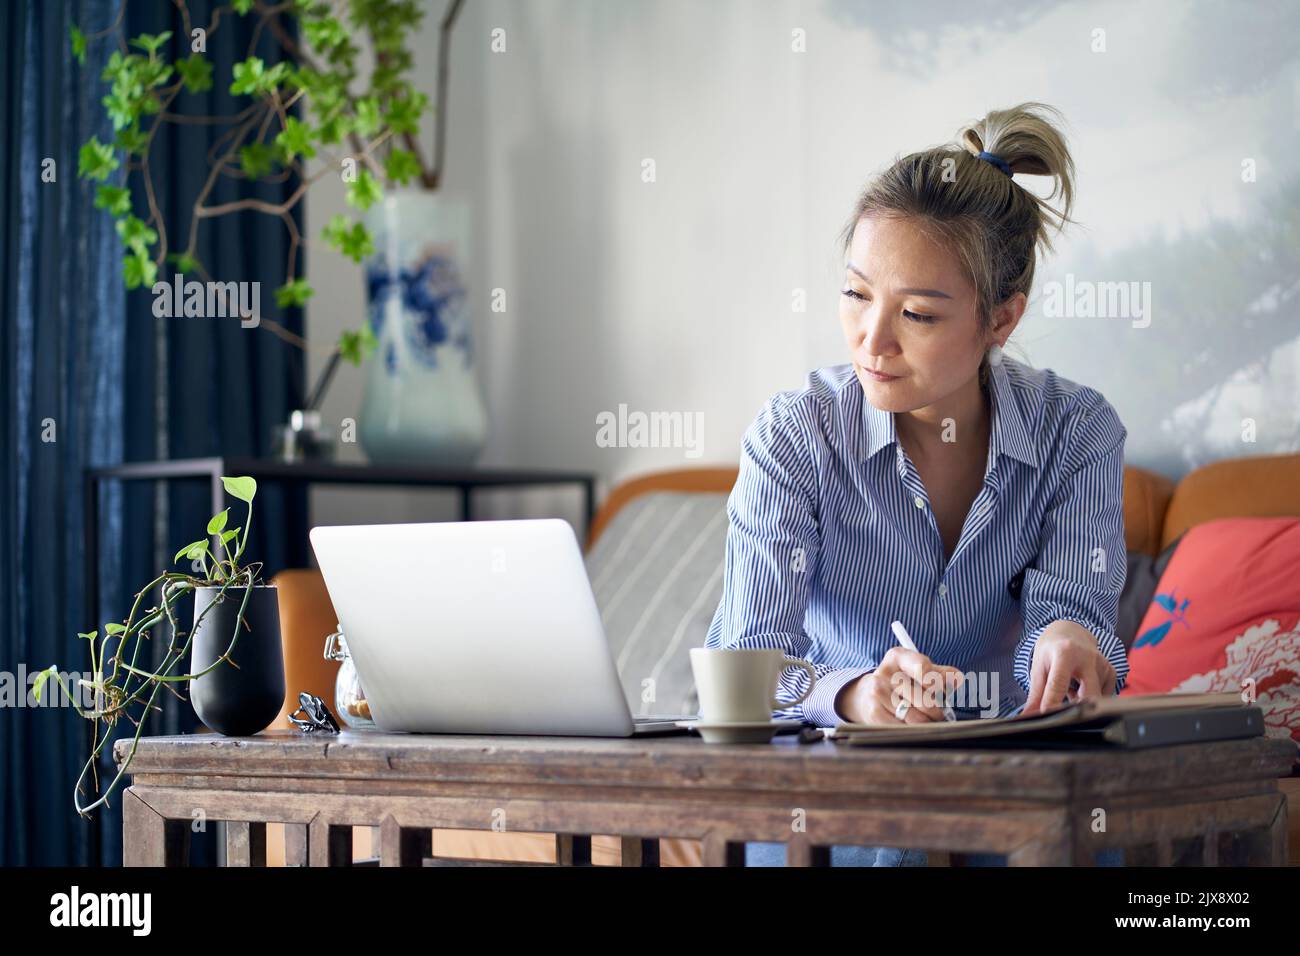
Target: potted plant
<point>236,673</point>
<point>306,117</point>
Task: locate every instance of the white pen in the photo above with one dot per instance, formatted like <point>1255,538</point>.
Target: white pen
<point>905,639</point>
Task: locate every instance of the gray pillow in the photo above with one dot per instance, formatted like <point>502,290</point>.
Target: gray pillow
<point>1144,574</point>
<point>656,571</point>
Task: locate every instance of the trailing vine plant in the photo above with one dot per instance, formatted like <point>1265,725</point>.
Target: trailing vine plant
<point>121,683</point>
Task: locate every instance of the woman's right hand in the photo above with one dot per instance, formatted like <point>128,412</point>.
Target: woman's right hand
<point>874,698</point>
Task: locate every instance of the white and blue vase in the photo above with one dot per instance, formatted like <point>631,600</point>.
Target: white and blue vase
<point>421,403</point>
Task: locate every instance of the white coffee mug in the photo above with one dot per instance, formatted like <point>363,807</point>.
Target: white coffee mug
<point>739,685</point>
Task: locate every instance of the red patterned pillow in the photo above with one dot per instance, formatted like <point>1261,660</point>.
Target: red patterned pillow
<point>1226,616</point>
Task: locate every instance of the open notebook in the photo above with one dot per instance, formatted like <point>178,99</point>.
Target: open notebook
<point>1138,721</point>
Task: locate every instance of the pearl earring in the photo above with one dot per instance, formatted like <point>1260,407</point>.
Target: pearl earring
<point>995,354</point>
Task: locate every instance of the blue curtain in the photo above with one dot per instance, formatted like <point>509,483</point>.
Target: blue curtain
<point>90,377</point>
<point>61,380</point>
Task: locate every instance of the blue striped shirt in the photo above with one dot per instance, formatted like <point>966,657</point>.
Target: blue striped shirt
<point>831,537</point>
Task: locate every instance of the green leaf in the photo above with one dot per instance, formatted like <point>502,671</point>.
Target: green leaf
<point>243,488</point>
<point>227,535</point>
<point>401,166</point>
<point>358,243</point>
<point>365,116</point>
<point>78,44</point>
<point>354,346</point>
<point>248,76</point>
<point>114,629</point>
<point>120,110</point>
<point>120,69</point>
<point>404,114</point>
<point>257,159</point>
<point>196,73</point>
<point>351,239</point>
<point>335,229</point>
<point>242,6</point>
<point>135,234</point>
<point>88,635</point>
<point>150,43</point>
<point>132,140</point>
<point>327,92</point>
<point>364,191</point>
<point>96,160</point>
<point>116,199</point>
<point>139,270</point>
<point>155,73</point>
<point>184,262</point>
<point>332,131</point>
<point>40,680</point>
<point>294,293</point>
<point>275,76</point>
<point>218,522</point>
<point>127,84</point>
<point>191,550</point>
<point>295,139</point>
<point>325,34</point>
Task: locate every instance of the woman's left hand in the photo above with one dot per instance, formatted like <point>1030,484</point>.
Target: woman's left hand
<point>1064,653</point>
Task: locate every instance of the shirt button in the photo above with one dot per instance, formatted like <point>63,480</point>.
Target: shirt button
<point>943,590</point>
<point>984,508</point>
<point>919,501</point>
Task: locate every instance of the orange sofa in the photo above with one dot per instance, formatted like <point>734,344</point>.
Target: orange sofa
<point>1156,511</point>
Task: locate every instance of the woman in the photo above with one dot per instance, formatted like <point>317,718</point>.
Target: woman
<point>931,479</point>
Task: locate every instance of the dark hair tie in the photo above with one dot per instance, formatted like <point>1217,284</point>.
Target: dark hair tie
<point>997,161</point>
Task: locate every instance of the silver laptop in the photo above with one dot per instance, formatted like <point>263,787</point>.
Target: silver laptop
<point>477,627</point>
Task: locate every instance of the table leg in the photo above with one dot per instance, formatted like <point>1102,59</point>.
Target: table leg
<point>149,838</point>
<point>1210,847</point>
<point>245,843</point>
<point>719,851</point>
<point>1266,845</point>
<point>1047,848</point>
<point>572,849</point>
<point>636,851</point>
<point>800,852</point>
<point>329,844</point>
<point>403,846</point>
<point>295,844</point>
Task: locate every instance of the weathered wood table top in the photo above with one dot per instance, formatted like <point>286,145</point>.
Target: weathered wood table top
<point>1038,805</point>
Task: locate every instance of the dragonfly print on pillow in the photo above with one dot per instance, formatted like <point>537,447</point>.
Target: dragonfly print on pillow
<point>1155,635</point>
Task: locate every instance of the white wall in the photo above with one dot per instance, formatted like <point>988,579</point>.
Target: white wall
<point>676,295</point>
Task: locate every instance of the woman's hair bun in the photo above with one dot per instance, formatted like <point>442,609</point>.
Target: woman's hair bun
<point>1027,139</point>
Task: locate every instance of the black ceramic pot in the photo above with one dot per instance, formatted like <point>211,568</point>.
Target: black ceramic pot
<point>237,701</point>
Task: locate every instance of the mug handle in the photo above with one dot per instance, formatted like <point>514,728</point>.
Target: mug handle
<point>812,680</point>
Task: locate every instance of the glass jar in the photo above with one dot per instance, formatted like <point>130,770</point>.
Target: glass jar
<point>349,696</point>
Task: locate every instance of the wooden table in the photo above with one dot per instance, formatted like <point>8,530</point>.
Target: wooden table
<point>1212,803</point>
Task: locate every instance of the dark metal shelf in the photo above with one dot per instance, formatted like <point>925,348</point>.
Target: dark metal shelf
<point>463,480</point>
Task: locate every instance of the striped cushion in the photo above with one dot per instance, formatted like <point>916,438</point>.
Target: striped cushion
<point>656,571</point>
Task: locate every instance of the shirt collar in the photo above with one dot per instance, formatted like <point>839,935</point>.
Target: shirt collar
<point>1008,435</point>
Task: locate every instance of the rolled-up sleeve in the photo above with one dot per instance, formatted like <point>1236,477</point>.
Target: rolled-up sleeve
<point>773,543</point>
<point>1081,564</point>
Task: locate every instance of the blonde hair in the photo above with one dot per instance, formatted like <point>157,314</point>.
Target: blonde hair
<point>993,225</point>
